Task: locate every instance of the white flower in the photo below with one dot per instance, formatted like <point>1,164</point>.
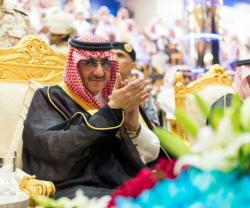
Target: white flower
<point>215,150</point>
<point>81,200</point>
<point>205,139</point>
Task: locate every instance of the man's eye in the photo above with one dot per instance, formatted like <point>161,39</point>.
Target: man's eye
<point>90,62</point>
<point>120,55</point>
<point>106,63</point>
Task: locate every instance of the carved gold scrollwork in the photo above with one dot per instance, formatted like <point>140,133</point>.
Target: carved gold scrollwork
<point>1,75</point>
<point>33,59</point>
<point>33,186</point>
<point>35,51</point>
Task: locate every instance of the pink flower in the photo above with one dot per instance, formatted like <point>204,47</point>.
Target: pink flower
<point>146,179</point>
<point>135,186</point>
<point>166,166</point>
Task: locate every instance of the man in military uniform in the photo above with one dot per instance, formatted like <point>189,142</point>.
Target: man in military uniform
<point>14,25</point>
<point>125,55</point>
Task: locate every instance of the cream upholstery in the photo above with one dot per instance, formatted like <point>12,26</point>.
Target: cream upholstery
<point>11,100</point>
<point>16,143</point>
<point>24,68</point>
<point>211,87</point>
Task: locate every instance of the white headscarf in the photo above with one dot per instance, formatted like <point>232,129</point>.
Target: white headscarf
<point>240,83</point>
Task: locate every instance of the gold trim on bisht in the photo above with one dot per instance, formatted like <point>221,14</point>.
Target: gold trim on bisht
<point>86,106</point>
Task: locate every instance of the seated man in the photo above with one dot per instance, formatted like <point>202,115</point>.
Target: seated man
<point>125,55</point>
<point>66,142</point>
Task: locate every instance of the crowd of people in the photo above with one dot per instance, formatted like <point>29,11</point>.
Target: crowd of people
<point>158,45</point>
<point>157,49</point>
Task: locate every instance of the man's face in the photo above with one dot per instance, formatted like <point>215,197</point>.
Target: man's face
<point>187,77</point>
<point>56,39</point>
<point>94,74</point>
<point>126,64</point>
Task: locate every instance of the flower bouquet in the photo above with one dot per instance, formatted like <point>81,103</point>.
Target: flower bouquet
<point>217,165</point>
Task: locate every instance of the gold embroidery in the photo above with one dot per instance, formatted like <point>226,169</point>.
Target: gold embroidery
<point>58,109</point>
<point>86,106</point>
<point>85,119</point>
<point>98,128</point>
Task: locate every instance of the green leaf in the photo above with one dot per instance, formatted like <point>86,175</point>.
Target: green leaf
<point>233,112</point>
<point>202,105</point>
<point>236,101</point>
<point>235,119</point>
<point>244,154</point>
<point>172,143</point>
<point>245,115</point>
<point>186,122</point>
<point>46,202</point>
<point>216,116</point>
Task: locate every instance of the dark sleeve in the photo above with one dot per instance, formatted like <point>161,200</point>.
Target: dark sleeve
<point>49,136</point>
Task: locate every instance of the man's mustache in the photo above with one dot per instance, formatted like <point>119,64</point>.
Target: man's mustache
<point>97,78</point>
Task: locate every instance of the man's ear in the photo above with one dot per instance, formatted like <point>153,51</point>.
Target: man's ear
<point>133,65</point>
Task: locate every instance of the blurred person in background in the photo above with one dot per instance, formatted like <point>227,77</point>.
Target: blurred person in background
<point>125,55</point>
<point>60,26</point>
<point>105,23</point>
<point>81,24</point>
<point>166,96</point>
<point>14,24</point>
<point>187,74</point>
<point>37,11</point>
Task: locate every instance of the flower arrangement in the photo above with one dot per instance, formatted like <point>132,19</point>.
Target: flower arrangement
<point>218,162</point>
<point>145,180</point>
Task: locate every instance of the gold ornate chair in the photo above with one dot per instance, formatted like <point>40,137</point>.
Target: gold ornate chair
<point>214,84</point>
<point>24,68</point>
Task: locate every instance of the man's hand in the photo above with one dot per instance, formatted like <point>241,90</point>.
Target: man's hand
<point>128,96</point>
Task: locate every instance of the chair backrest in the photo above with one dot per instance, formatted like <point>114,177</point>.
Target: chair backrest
<point>30,59</point>
<point>214,84</point>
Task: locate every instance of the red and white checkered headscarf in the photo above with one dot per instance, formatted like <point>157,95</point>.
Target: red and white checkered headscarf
<point>73,79</point>
<point>240,83</point>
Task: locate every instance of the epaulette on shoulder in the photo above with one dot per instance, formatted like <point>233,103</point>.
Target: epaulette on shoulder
<point>20,11</point>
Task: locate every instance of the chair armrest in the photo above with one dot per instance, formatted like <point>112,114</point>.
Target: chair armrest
<point>34,186</point>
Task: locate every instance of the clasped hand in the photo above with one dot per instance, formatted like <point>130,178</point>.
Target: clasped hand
<point>128,96</point>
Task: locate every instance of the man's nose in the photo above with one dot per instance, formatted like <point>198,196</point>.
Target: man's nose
<point>99,70</point>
